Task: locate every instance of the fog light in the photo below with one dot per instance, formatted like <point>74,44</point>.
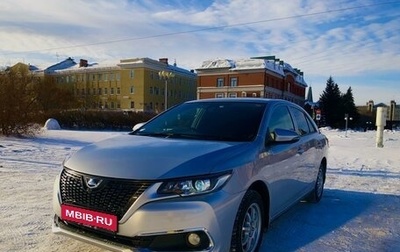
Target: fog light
<point>193,239</point>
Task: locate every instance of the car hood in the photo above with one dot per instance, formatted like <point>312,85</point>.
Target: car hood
<point>153,158</point>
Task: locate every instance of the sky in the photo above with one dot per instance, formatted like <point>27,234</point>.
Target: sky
<point>359,211</point>
<point>357,42</point>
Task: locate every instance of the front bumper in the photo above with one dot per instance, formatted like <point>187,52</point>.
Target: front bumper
<point>149,242</point>
<point>162,225</point>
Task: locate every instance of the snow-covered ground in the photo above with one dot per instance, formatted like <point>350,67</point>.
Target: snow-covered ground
<point>360,210</point>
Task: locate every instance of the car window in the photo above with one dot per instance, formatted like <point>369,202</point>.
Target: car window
<point>280,118</point>
<point>301,121</point>
<point>225,121</point>
<point>238,121</point>
<point>311,125</point>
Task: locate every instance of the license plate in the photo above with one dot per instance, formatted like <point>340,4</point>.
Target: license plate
<point>89,218</point>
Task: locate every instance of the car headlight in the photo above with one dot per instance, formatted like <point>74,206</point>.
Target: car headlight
<point>192,186</point>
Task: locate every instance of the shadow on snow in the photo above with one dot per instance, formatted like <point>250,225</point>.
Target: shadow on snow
<point>341,221</point>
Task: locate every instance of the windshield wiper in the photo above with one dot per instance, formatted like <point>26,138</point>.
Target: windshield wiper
<point>190,136</point>
<point>154,134</point>
<point>169,135</point>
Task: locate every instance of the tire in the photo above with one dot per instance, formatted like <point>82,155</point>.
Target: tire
<point>316,194</point>
<point>247,231</point>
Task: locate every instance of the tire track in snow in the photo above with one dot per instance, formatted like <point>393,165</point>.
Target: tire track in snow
<point>30,161</point>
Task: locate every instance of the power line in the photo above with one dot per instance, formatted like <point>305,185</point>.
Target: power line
<point>209,28</point>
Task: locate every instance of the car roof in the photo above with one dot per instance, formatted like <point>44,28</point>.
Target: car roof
<point>242,100</point>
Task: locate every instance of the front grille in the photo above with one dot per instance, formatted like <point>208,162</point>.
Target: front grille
<point>113,196</point>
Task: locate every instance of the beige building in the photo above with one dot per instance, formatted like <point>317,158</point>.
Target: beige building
<point>129,85</point>
<point>368,114</point>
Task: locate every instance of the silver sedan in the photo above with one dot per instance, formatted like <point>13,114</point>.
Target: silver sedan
<point>206,175</point>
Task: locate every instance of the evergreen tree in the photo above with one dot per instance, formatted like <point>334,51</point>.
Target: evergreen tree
<point>331,104</point>
<point>350,108</point>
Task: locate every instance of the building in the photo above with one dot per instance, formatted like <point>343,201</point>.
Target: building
<point>312,107</point>
<point>266,77</point>
<point>24,69</point>
<point>368,114</point>
<point>129,85</point>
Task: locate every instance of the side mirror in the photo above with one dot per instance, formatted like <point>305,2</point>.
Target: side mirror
<point>284,136</point>
<point>137,126</point>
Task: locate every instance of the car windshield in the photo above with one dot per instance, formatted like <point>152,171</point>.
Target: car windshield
<point>221,121</point>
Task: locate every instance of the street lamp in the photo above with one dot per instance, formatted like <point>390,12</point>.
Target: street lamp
<point>166,75</point>
<point>347,118</point>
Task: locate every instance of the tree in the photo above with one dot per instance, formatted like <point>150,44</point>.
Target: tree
<point>50,97</point>
<point>17,105</point>
<point>335,106</point>
<point>350,108</point>
<point>331,105</point>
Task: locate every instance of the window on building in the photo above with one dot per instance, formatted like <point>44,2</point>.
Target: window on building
<point>105,77</point>
<point>232,95</point>
<point>118,90</point>
<point>105,91</point>
<point>112,91</point>
<point>151,90</point>
<point>132,104</point>
<point>244,94</point>
<point>219,95</point>
<point>118,76</point>
<point>112,105</point>
<point>111,76</point>
<point>132,74</point>
<point>234,82</point>
<point>132,90</point>
<point>99,91</point>
<point>220,82</point>
<point>94,91</point>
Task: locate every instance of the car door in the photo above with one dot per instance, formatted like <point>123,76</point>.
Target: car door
<point>307,162</point>
<point>278,162</point>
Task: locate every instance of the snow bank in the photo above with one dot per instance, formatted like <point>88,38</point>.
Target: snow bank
<point>52,124</point>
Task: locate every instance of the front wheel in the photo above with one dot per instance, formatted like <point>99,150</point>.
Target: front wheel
<point>247,230</point>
